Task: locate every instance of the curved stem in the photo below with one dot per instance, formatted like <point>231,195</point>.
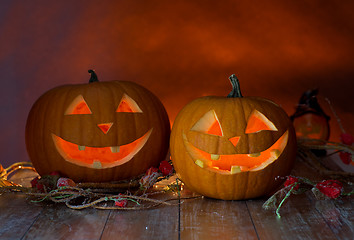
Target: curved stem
<point>236,91</point>
<point>93,77</point>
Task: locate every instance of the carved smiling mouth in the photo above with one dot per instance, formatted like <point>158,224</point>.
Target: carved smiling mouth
<point>99,157</point>
<point>235,163</point>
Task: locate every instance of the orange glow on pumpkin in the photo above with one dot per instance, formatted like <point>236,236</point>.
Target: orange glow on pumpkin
<point>99,157</point>
<point>127,104</point>
<point>234,140</point>
<point>105,127</point>
<point>215,129</point>
<point>209,124</point>
<point>258,122</point>
<point>234,163</point>
<point>311,126</point>
<point>78,106</point>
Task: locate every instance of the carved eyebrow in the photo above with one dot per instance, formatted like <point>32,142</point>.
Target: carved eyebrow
<point>78,106</point>
<point>127,104</point>
<point>209,123</point>
<point>258,122</point>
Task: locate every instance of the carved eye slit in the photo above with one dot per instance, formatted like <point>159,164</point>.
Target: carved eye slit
<point>258,122</point>
<point>209,124</point>
<point>127,104</point>
<point>78,106</point>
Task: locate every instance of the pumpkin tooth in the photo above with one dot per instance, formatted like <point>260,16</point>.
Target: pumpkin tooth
<point>254,154</point>
<point>199,163</point>
<point>96,164</point>
<point>115,149</point>
<point>214,156</point>
<point>81,148</point>
<point>275,152</point>
<point>235,169</point>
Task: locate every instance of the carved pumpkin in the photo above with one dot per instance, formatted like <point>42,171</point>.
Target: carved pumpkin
<point>97,132</point>
<point>232,148</point>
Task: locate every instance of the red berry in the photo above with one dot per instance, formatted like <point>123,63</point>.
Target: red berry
<point>65,182</point>
<point>121,203</point>
<point>345,157</point>
<point>330,188</point>
<point>166,168</point>
<point>290,180</point>
<point>347,139</point>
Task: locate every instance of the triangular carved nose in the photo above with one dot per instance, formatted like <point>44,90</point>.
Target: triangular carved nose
<point>105,127</point>
<point>234,140</point>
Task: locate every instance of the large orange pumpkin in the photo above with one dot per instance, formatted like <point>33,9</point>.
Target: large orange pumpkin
<point>97,132</point>
<point>234,147</point>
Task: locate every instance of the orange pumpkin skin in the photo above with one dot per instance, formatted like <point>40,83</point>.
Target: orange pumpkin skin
<point>52,118</point>
<point>233,115</point>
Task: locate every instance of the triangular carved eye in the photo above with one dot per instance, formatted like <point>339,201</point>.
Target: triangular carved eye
<point>209,124</point>
<point>78,106</point>
<point>258,122</point>
<point>127,104</point>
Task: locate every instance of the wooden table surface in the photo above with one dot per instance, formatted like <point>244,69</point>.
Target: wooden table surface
<point>302,217</point>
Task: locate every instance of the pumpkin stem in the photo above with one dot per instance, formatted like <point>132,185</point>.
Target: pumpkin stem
<point>236,91</point>
<point>93,76</point>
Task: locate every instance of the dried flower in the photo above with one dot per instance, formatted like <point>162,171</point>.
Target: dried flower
<point>149,179</point>
<point>330,188</point>
<point>345,157</point>
<point>291,181</point>
<point>36,184</point>
<point>347,139</point>
<point>65,182</point>
<point>166,168</point>
<point>120,202</point>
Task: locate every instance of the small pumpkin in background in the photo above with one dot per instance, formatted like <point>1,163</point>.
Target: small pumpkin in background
<point>97,132</point>
<point>232,147</point>
<point>310,121</point>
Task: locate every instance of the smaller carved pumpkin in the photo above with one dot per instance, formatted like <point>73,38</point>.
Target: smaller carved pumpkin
<point>310,121</point>
<point>234,147</point>
<point>97,132</point>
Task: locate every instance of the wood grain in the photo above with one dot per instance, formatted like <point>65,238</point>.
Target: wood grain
<point>338,215</point>
<point>159,223</point>
<point>299,220</point>
<point>16,215</point>
<point>59,222</point>
<point>206,218</point>
<point>156,223</point>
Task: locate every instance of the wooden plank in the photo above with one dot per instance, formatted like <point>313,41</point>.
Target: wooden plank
<point>299,220</point>
<point>206,218</point>
<point>338,215</point>
<point>157,223</point>
<point>16,215</point>
<point>160,223</point>
<point>59,222</point>
<point>15,200</point>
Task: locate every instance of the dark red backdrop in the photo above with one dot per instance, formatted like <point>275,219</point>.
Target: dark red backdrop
<point>180,50</point>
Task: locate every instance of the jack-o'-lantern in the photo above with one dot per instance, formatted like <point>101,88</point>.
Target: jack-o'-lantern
<point>310,121</point>
<point>234,147</point>
<point>97,132</point>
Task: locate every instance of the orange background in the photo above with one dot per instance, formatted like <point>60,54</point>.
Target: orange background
<point>180,50</point>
